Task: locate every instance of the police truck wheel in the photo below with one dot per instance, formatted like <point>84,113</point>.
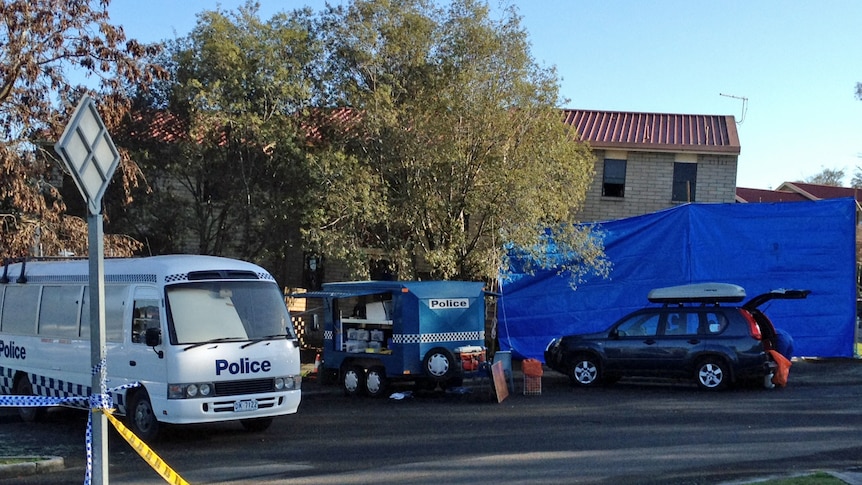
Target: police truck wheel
<point>353,380</point>
<point>376,384</point>
<point>439,364</point>
<point>142,420</point>
<point>256,424</point>
<point>28,414</point>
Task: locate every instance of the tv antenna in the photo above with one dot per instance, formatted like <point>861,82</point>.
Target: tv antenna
<point>744,105</point>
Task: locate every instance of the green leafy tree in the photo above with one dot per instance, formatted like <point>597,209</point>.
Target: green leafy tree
<point>42,44</point>
<point>228,158</point>
<point>462,133</point>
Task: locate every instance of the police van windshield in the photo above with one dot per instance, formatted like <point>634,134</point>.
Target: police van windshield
<point>226,310</point>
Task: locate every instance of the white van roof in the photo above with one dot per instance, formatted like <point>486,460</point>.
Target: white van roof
<point>154,269</point>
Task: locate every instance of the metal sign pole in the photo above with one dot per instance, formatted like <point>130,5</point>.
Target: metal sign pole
<point>92,158</point>
<point>97,346</point>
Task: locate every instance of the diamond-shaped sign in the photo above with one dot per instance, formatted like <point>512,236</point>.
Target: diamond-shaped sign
<point>89,153</point>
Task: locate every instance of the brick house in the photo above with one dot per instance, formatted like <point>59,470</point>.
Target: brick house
<point>646,162</point>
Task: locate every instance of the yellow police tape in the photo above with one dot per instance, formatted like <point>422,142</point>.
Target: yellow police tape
<point>146,452</point>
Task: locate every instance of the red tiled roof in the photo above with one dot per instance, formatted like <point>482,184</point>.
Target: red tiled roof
<point>167,127</point>
<point>622,130</point>
<point>818,192</point>
<point>762,195</point>
<point>158,125</point>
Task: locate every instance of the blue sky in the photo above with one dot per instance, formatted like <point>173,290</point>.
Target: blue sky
<point>796,61</point>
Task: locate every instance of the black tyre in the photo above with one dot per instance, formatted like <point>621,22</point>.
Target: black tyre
<point>439,364</point>
<point>256,424</point>
<point>28,414</point>
<point>712,374</point>
<point>376,383</point>
<point>141,418</point>
<point>585,371</point>
<point>353,380</point>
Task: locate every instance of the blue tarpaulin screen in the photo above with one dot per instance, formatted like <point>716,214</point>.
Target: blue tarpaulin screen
<point>761,247</point>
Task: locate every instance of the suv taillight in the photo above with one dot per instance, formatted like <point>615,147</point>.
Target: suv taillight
<point>753,327</point>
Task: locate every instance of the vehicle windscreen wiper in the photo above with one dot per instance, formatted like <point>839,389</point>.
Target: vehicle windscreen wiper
<point>261,339</point>
<point>212,341</point>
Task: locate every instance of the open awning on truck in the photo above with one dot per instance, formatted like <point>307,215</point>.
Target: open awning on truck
<point>335,294</point>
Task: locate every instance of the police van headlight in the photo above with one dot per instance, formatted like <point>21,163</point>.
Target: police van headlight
<point>288,383</point>
<point>187,391</point>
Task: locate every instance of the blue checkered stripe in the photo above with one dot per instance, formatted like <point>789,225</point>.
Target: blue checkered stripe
<point>6,380</point>
<point>427,338</point>
<point>49,387</point>
<point>435,338</point>
<point>173,278</point>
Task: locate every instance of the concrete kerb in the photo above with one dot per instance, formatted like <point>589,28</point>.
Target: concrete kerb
<point>30,465</point>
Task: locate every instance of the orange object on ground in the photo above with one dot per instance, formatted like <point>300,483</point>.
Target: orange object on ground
<point>531,367</point>
<point>471,359</point>
<point>782,370</point>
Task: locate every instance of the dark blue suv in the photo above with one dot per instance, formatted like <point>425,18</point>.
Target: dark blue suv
<point>697,332</point>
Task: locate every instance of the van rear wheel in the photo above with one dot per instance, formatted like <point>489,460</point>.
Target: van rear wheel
<point>28,414</point>
<point>142,420</point>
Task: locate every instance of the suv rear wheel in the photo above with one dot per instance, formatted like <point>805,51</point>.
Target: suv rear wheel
<point>585,371</point>
<point>712,374</point>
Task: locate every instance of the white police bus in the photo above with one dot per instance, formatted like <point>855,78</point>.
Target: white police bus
<point>209,339</point>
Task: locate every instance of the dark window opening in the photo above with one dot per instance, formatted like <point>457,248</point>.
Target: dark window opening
<point>614,178</point>
<point>684,182</point>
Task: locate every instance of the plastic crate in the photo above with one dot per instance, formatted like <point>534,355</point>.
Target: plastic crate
<point>532,385</point>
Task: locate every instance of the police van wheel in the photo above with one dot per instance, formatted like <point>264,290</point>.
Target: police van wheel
<point>439,364</point>
<point>142,419</point>
<point>27,414</point>
<point>353,380</point>
<point>256,424</point>
<point>376,384</point>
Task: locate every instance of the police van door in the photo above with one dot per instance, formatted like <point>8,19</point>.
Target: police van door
<point>143,362</point>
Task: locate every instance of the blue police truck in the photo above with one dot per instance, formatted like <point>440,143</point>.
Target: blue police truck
<point>377,332</point>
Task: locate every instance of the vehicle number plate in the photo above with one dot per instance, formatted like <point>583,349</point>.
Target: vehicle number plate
<point>249,405</point>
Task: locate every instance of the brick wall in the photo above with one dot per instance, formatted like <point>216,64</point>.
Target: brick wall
<point>649,182</point>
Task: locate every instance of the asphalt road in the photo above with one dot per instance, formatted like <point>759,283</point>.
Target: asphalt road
<point>635,432</point>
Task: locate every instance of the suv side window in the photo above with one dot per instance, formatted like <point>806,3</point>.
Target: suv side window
<point>682,322</point>
<point>641,325</point>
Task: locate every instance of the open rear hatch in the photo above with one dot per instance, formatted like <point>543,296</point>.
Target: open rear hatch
<point>780,294</point>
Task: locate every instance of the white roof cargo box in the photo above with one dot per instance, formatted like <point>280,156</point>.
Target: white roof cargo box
<point>698,293</point>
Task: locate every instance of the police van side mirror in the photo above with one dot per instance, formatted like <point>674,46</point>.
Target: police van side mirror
<point>153,337</point>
